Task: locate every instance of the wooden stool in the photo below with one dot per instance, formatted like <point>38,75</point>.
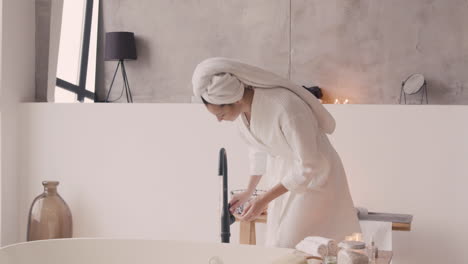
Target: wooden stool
<point>247,234</point>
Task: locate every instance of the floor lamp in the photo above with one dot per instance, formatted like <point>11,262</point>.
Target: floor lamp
<point>120,46</point>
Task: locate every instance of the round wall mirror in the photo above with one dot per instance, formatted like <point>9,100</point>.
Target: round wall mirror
<point>413,84</point>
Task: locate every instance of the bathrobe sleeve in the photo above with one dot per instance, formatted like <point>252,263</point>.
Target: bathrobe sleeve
<point>311,168</point>
<point>257,161</point>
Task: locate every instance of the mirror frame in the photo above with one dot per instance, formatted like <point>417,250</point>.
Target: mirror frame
<point>411,77</point>
<point>423,88</point>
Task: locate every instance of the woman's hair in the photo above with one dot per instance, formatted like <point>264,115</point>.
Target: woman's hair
<point>208,103</point>
<point>205,101</point>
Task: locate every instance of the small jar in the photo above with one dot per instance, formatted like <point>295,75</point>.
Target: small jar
<point>329,260</point>
<point>356,246</point>
<point>352,252</point>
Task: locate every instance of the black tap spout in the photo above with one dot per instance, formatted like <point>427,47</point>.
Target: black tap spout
<point>227,219</point>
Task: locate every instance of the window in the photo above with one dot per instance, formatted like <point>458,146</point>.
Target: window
<point>76,65</point>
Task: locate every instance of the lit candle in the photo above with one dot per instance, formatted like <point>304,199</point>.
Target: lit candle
<point>357,236</point>
<point>337,101</point>
<point>346,101</point>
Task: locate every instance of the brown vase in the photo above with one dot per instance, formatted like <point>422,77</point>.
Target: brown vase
<point>50,216</point>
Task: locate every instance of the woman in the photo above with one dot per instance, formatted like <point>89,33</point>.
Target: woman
<point>285,127</point>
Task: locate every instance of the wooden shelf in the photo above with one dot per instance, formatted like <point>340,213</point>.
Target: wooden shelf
<point>401,227</point>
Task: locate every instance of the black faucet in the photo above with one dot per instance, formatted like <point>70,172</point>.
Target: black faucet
<point>227,219</point>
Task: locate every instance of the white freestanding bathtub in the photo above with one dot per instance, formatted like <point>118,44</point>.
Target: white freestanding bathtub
<point>116,251</point>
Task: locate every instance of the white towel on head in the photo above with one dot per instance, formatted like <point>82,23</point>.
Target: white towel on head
<point>209,82</point>
<point>224,89</point>
<point>318,246</point>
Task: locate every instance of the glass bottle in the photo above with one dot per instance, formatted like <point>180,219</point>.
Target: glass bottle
<point>256,193</point>
<point>371,252</point>
<point>49,216</point>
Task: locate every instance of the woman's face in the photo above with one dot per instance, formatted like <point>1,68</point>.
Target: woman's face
<point>226,112</point>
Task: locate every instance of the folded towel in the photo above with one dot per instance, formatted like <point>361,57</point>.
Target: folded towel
<point>330,243</point>
<point>379,232</point>
<point>318,246</point>
<point>312,248</point>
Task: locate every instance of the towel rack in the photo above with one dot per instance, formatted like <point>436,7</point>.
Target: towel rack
<point>400,222</point>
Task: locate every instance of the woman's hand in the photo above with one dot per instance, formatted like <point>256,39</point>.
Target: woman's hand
<point>258,205</point>
<point>239,199</point>
<point>254,208</point>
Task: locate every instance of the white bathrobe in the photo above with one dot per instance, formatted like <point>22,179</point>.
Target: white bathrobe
<point>287,146</point>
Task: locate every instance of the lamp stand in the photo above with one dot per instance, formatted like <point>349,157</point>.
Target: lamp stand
<point>126,85</point>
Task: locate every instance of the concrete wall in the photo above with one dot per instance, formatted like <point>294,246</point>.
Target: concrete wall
<point>17,85</point>
<point>363,49</point>
<point>174,36</point>
<point>359,49</point>
<point>144,170</point>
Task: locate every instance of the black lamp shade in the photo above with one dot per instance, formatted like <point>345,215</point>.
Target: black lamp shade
<point>120,46</point>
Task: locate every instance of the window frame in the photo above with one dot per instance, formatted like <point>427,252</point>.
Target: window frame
<point>80,89</point>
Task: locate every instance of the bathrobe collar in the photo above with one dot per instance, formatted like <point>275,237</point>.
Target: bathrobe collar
<point>255,116</point>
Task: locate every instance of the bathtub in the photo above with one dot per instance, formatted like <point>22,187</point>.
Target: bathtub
<point>117,251</point>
